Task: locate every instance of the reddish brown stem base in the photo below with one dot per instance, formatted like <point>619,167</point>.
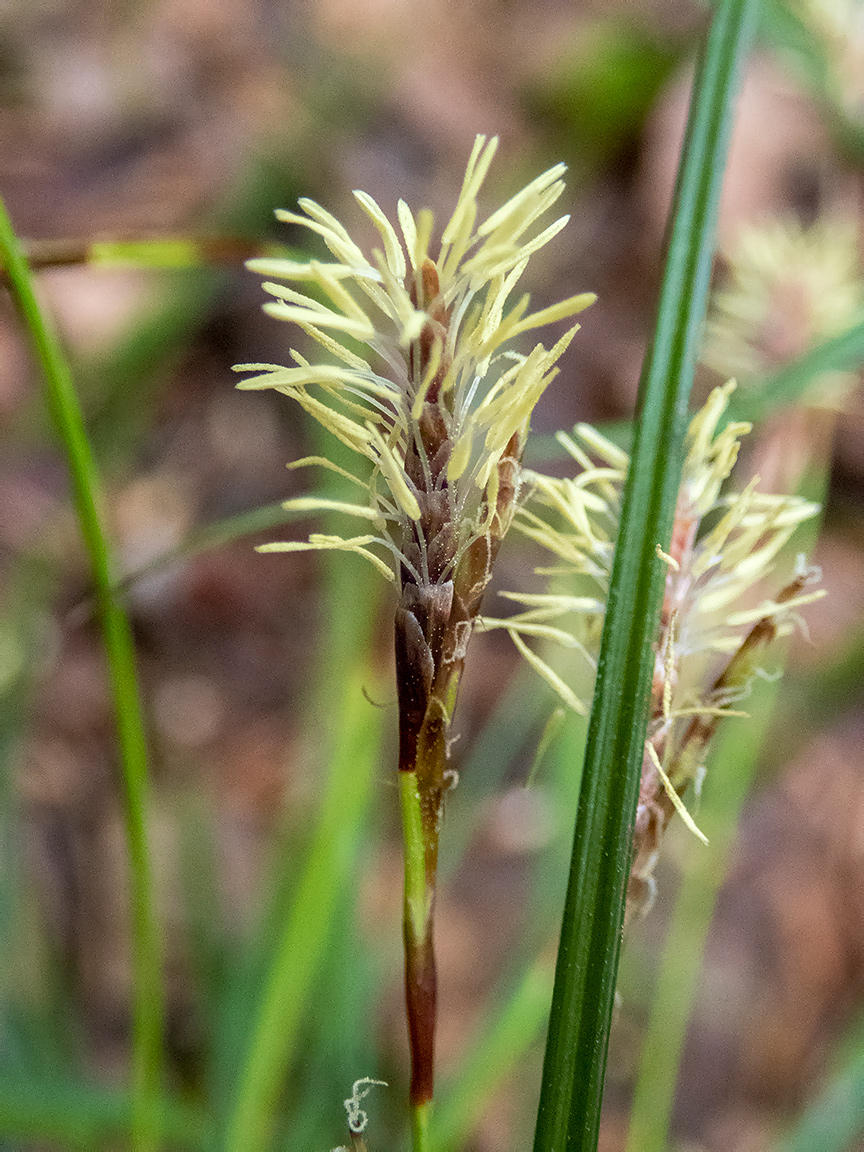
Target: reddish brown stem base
<point>420,1000</point>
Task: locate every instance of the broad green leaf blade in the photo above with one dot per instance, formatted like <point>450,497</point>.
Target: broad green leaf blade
<point>574,1067</point>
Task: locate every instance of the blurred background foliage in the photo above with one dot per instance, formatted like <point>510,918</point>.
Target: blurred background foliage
<point>266,680</point>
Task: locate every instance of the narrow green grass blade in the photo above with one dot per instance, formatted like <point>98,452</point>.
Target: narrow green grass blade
<point>841,353</point>
<point>119,647</point>
<point>18,643</point>
<point>38,1028</point>
<point>209,536</point>
<point>154,252</point>
<point>575,1062</point>
<point>120,386</point>
<point>793,31</point>
<point>339,1045</point>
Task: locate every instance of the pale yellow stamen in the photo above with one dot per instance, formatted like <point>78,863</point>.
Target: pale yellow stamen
<point>428,377</point>
<point>323,462</point>
<point>528,628</point>
<point>459,457</point>
<point>668,560</point>
<point>549,675</point>
<point>560,604</point>
<point>605,449</point>
<point>673,795</point>
<point>325,504</point>
<point>523,206</point>
<point>454,240</point>
<point>318,542</point>
<point>392,247</point>
<point>394,473</point>
<point>361,329</point>
<point>771,608</point>
<point>409,228</point>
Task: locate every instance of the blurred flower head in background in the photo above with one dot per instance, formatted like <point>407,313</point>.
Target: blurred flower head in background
<point>837,27</point>
<point>786,289</point>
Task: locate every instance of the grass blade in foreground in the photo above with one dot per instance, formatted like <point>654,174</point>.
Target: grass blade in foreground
<point>572,1088</point>
<point>119,648</point>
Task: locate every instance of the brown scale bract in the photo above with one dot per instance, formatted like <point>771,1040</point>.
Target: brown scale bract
<point>435,616</point>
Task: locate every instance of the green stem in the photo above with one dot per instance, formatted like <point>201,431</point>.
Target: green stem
<point>421,1115</point>
<point>418,897</point>
<point>420,981</point>
<point>148,1011</point>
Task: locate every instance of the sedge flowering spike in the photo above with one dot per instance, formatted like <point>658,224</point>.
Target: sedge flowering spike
<point>436,401</point>
<point>715,621</point>
<point>423,381</point>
